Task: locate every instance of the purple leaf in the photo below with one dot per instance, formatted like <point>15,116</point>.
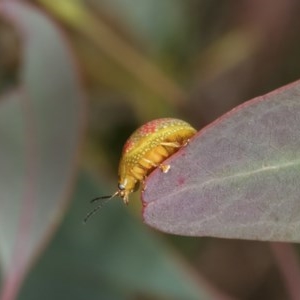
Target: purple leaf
<point>237,178</point>
<point>40,132</point>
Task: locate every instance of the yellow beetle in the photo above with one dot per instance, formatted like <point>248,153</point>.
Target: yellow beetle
<point>145,150</point>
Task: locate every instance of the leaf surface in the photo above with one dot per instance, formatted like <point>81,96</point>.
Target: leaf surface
<point>237,178</point>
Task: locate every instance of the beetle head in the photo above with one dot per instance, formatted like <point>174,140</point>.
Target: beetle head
<point>121,192</point>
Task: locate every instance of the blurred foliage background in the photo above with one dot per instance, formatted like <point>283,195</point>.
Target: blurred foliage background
<point>141,60</point>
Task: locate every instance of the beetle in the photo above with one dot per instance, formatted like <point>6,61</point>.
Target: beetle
<point>145,150</point>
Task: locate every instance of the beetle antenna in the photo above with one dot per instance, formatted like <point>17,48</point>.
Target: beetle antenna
<point>94,210</point>
<point>105,198</point>
<point>100,198</point>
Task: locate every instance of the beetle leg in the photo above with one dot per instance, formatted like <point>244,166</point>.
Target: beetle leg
<point>162,151</point>
<point>164,168</point>
<point>137,172</point>
<point>151,163</point>
<point>126,199</point>
<point>171,144</point>
<point>186,143</point>
<point>144,184</point>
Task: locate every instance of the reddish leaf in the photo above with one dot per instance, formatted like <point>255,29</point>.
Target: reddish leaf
<point>238,178</point>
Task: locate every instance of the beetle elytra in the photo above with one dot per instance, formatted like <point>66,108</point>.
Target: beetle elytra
<point>145,150</point>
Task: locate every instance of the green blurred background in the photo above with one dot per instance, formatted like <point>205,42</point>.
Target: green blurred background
<point>139,60</point>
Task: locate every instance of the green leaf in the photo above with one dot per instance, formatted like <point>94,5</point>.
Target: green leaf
<point>113,256</point>
<point>40,131</point>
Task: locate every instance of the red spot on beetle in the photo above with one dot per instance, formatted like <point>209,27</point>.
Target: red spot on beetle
<point>148,128</point>
<point>128,145</point>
